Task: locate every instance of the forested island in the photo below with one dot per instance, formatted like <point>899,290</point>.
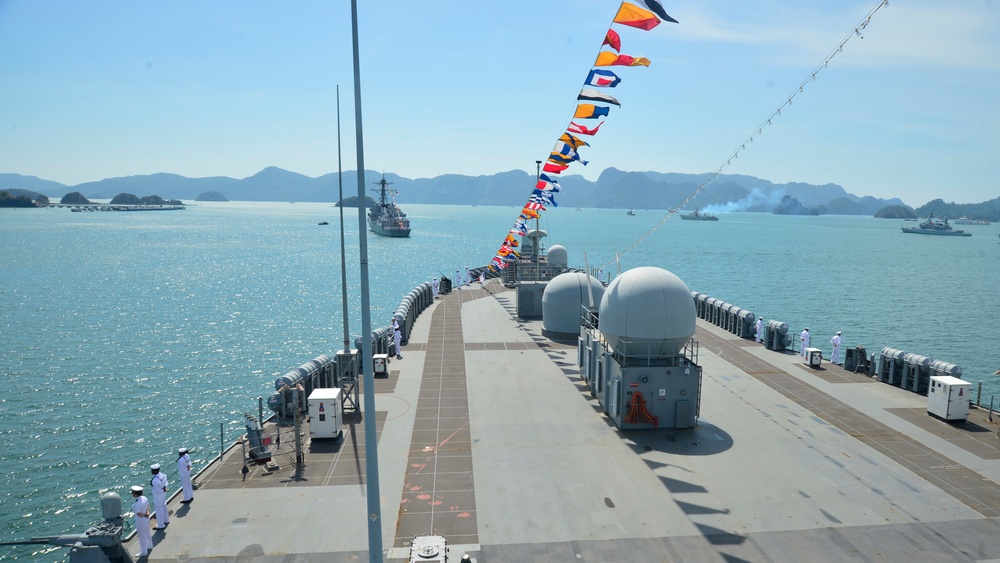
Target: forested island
<point>129,199</point>
<point>74,198</point>
<point>985,211</point>
<point>896,212</point>
<point>211,196</point>
<point>8,199</point>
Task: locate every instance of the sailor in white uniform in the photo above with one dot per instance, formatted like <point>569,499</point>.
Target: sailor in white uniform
<point>184,472</point>
<point>159,486</point>
<point>140,507</point>
<point>397,339</point>
<point>458,280</point>
<point>468,277</point>
<point>434,284</point>
<point>835,357</point>
<point>760,329</point>
<point>804,338</point>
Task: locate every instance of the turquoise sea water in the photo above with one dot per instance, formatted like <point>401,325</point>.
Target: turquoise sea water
<point>126,335</point>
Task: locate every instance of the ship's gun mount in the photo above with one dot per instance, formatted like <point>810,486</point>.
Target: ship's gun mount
<point>98,544</point>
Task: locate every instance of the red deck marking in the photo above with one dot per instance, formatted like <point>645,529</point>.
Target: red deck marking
<point>453,434</point>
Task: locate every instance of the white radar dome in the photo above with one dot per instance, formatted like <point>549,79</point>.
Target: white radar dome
<point>647,311</point>
<point>563,301</point>
<point>556,257</point>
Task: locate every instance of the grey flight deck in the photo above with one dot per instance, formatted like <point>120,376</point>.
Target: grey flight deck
<point>488,437</point>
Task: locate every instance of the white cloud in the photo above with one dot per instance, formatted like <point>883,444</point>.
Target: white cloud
<point>957,35</point>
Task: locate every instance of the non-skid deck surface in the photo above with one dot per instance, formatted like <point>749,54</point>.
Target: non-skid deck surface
<point>488,436</point>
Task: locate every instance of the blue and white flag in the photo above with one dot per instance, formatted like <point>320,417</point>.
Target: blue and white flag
<point>602,78</point>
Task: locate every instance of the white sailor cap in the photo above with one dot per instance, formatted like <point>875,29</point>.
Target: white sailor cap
<point>838,333</point>
<point>182,450</point>
<point>155,466</point>
<point>807,328</point>
<point>136,488</point>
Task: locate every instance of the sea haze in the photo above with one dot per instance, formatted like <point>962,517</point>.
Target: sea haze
<point>128,335</point>
<point>614,188</point>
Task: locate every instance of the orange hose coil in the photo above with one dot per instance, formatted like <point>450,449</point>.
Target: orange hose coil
<point>638,413</point>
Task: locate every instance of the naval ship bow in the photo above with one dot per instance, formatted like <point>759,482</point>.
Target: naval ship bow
<point>385,217</point>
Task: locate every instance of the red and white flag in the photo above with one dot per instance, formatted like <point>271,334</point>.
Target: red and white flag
<point>582,129</point>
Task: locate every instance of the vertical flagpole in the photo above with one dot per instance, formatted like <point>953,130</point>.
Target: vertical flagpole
<point>364,354</point>
<point>343,253</point>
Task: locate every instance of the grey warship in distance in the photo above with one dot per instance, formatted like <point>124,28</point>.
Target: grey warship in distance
<point>385,217</point>
<point>698,216</point>
<point>935,226</point>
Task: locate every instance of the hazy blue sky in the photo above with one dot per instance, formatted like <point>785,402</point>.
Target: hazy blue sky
<point>97,89</point>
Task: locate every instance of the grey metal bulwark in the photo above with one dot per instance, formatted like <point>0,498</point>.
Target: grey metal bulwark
<point>745,323</point>
<point>776,335</point>
<point>912,371</point>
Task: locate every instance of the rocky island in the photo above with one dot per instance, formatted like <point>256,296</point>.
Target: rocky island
<point>791,206</point>
<point>129,199</point>
<point>211,196</point>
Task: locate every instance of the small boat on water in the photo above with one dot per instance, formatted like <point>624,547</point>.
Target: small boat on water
<point>385,217</point>
<point>698,216</point>
<point>935,226</point>
<point>630,212</point>
<point>324,223</point>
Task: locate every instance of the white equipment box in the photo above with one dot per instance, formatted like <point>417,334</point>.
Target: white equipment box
<point>380,364</point>
<point>814,357</point>
<point>948,397</point>
<point>325,414</point>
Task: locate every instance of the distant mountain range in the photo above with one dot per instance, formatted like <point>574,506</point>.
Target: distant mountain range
<point>613,189</point>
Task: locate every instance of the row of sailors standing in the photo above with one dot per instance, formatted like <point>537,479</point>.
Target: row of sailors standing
<point>459,280</point>
<point>467,279</point>
<point>160,486</point>
<point>804,339</point>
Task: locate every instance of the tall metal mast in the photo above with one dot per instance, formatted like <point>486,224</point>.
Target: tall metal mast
<point>371,438</point>
<point>343,253</point>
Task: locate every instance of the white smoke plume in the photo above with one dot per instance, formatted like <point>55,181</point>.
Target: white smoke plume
<point>757,197</point>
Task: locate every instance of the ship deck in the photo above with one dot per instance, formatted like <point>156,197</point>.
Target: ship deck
<point>488,437</point>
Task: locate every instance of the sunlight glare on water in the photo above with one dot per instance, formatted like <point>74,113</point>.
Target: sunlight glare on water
<point>127,335</point>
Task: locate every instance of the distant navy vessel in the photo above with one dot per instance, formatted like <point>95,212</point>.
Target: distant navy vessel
<point>385,217</point>
<point>935,226</point>
<point>698,216</point>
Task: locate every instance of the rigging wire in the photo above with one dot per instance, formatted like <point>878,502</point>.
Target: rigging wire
<point>758,131</point>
